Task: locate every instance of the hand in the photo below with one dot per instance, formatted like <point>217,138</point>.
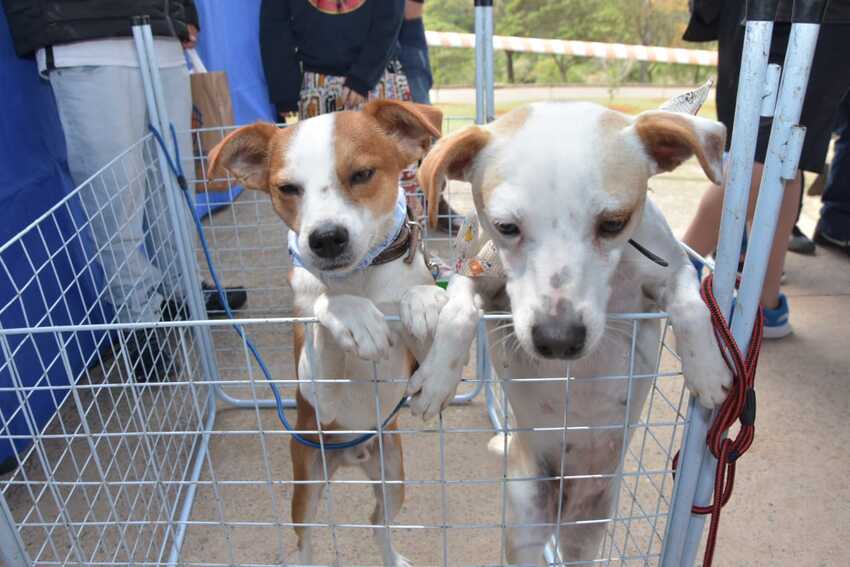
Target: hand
<point>351,100</point>
<point>193,37</point>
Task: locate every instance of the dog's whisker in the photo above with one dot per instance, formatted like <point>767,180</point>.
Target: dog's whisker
<point>504,340</point>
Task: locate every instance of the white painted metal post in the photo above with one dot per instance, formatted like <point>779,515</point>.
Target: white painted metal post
<point>780,166</point>
<point>484,97</point>
<point>738,174</point>
<point>12,550</point>
<point>158,116</point>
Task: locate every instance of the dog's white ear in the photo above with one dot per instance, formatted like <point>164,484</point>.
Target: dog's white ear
<point>451,158</point>
<point>244,154</point>
<point>413,125</point>
<point>670,138</point>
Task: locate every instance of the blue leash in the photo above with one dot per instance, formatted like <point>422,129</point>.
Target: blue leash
<point>177,170</point>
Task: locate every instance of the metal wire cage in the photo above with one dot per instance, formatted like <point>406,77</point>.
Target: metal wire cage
<point>144,460</point>
<point>118,405</point>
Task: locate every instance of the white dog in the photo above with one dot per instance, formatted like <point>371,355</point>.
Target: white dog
<point>561,190</point>
<point>333,180</point>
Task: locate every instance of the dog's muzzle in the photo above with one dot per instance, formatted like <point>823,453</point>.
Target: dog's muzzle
<point>555,339</point>
<point>329,242</point>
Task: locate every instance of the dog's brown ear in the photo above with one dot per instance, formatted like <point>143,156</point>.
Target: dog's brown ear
<point>413,125</point>
<point>244,154</point>
<point>451,158</point>
<point>670,138</point>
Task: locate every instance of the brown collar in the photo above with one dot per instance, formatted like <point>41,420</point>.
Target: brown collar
<point>406,242</point>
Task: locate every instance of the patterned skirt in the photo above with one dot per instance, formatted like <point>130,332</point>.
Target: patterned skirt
<point>321,94</point>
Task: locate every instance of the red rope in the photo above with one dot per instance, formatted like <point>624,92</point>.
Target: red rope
<point>739,406</point>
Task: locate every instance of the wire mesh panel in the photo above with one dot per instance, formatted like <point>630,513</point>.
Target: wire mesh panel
<point>95,417</point>
<point>149,460</point>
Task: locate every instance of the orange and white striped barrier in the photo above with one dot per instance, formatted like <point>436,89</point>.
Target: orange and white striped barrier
<point>579,48</point>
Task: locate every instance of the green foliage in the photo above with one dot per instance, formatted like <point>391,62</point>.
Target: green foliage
<point>646,22</point>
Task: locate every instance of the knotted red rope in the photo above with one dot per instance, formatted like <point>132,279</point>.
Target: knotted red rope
<point>739,406</point>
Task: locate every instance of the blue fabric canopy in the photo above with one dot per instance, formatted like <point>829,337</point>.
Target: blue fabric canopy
<point>46,276</point>
<point>230,41</point>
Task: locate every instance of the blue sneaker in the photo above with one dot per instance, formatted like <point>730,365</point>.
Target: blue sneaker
<point>698,265</point>
<point>776,325</point>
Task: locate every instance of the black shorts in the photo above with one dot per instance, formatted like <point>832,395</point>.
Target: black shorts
<point>828,82</point>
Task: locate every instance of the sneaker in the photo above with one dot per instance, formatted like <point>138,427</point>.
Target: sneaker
<point>776,325</point>
<point>149,355</point>
<point>8,466</point>
<point>828,241</point>
<point>236,298</point>
<point>799,243</point>
<point>698,266</point>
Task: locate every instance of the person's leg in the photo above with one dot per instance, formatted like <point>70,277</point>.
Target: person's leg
<point>177,91</point>
<point>702,234</point>
<point>834,225</point>
<point>163,232</point>
<point>114,201</point>
<point>787,215</point>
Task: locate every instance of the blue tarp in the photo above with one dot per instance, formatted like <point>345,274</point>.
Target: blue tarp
<point>48,278</point>
<point>230,42</point>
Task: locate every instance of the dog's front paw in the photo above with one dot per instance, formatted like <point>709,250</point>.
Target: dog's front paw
<point>706,375</point>
<point>433,385</point>
<point>420,310</point>
<point>356,324</point>
<point>431,389</point>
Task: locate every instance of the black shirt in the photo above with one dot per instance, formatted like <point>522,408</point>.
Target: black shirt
<point>351,38</point>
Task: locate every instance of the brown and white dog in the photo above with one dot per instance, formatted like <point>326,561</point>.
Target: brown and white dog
<point>561,189</point>
<point>333,180</point>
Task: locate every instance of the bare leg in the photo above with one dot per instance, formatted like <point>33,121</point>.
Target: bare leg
<point>702,233</point>
<point>787,217</point>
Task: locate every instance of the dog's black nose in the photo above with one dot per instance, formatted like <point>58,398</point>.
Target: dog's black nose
<point>554,340</point>
<point>329,241</point>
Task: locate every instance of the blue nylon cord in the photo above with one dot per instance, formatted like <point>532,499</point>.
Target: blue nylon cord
<point>177,169</point>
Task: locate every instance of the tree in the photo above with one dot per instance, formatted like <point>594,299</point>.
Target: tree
<point>588,20</point>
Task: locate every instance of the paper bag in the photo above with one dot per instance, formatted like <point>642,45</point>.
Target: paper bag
<point>211,108</point>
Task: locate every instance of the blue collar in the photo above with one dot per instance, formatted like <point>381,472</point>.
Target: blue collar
<point>399,218</point>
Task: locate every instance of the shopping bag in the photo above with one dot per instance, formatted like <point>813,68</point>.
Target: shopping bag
<point>212,114</point>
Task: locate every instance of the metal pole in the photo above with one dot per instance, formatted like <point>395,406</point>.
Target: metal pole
<point>738,175</point>
<point>480,80</point>
<point>780,166</point>
<point>754,62</point>
<point>489,82</point>
<point>12,550</point>
<point>158,116</point>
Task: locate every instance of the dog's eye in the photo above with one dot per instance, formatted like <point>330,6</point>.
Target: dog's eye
<point>290,190</point>
<point>362,176</point>
<point>612,227</point>
<point>507,229</point>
